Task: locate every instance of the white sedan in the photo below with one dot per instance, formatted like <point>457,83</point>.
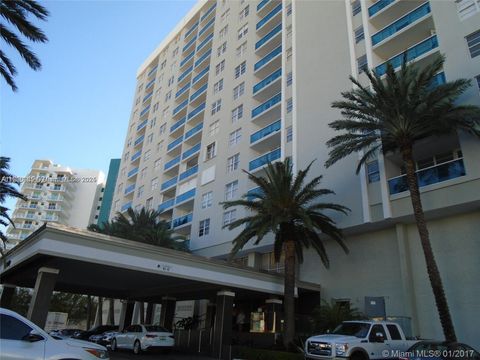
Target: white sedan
<point>142,338</point>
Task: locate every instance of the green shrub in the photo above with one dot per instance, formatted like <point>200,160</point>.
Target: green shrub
<point>242,352</point>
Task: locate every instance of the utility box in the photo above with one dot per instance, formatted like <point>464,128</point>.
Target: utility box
<point>375,307</point>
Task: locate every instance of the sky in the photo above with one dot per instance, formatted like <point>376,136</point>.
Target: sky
<point>75,110</point>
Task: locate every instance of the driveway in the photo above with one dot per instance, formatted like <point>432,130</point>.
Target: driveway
<point>126,355</point>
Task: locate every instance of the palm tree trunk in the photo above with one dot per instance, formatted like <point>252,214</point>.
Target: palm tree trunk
<point>289,294</point>
<point>432,269</point>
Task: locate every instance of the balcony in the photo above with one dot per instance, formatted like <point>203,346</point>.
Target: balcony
<point>190,43</point>
<point>152,71</point>
<point>185,74</point>
<point>202,58</point>
<point>199,92</point>
<point>139,140</point>
<point>148,96</point>
<point>268,59</point>
<point>129,189</point>
<point>50,218</point>
<point>171,163</point>
<point>166,205</point>
<point>180,107</point>
<point>269,16</point>
<point>185,196</point>
<point>196,111</point>
<point>132,172</point>
<point>379,5</point>
<point>187,58</point>
<point>191,30</point>
<point>55,197</point>
<point>206,27</point>
<point>200,75</point>
<point>182,90</point>
<point>428,176</point>
<point>262,4</point>
<point>266,106</point>
<point>175,143</point>
<point>266,131</point>
<point>150,83</point>
<point>182,220</point>
<point>142,124</point>
<point>169,183</point>
<point>208,12</point>
<point>195,130</point>
<point>205,42</point>
<point>178,124</point>
<point>187,173</point>
<point>193,150</point>
<point>411,54</point>
<point>402,23</point>
<point>136,155</point>
<point>145,110</point>
<point>267,81</point>
<point>264,159</point>
<point>438,79</point>
<point>266,39</point>
<point>126,206</point>
<point>252,193</point>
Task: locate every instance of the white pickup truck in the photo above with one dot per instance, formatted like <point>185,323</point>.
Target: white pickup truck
<point>359,340</point>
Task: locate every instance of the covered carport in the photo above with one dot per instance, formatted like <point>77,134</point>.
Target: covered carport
<point>66,259</point>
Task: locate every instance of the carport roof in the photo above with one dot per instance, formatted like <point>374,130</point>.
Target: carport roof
<point>102,265</point>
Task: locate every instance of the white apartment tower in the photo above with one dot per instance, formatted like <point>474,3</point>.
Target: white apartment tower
<point>59,194</point>
<point>240,83</point>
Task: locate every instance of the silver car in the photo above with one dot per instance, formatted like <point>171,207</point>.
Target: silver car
<point>142,338</point>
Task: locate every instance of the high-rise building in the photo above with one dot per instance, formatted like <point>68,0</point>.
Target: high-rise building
<point>59,194</point>
<point>109,191</point>
<point>238,84</point>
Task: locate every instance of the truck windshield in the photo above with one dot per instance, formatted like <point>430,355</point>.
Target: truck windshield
<point>359,329</point>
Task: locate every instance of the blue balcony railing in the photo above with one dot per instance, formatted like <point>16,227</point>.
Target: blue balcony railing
<point>168,183</point>
<point>411,54</point>
<point>148,96</point>
<point>205,42</point>
<point>139,140</point>
<point>190,43</point>
<point>175,143</point>
<point>187,58</point>
<point>180,107</point>
<point>268,80</point>
<point>252,193</point>
<point>187,173</point>
<point>129,189</point>
<point>152,71</point>
<point>136,155</point>
<point>145,110</point>
<point>269,36</point>
<point>379,5</point>
<point>270,129</point>
<point>264,159</point>
<point>267,58</point>
<point>196,111</point>
<point>194,149</point>
<point>182,220</point>
<point>185,73</point>
<point>182,90</point>
<point>208,12</point>
<point>171,163</point>
<point>262,4</point>
<point>198,92</point>
<point>132,172</point>
<point>193,131</point>
<point>432,175</point>
<point>270,15</point>
<point>267,105</point>
<point>437,80</point>
<point>194,26</point>
<point>142,125</point>
<point>185,196</point>
<point>200,75</point>
<point>166,205</point>
<point>126,206</point>
<point>178,124</point>
<point>206,27</point>
<point>401,23</point>
<point>203,57</point>
<point>150,83</point>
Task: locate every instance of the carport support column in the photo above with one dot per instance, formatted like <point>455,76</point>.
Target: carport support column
<point>126,314</point>
<point>42,294</point>
<point>150,313</point>
<point>167,312</point>
<point>7,296</point>
<point>274,308</point>
<point>222,337</point>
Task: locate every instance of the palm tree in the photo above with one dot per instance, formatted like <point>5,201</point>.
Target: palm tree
<point>7,189</point>
<point>16,13</point>
<point>288,208</point>
<point>391,116</point>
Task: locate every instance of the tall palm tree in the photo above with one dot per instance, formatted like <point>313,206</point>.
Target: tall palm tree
<point>7,189</point>
<point>287,207</point>
<point>16,13</point>
<point>391,116</point>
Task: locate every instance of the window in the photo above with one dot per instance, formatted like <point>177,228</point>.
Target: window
<point>168,95</point>
<point>154,184</point>
<point>150,138</point>
<point>163,128</point>
<point>373,172</point>
<point>223,32</point>
<point>235,137</point>
<point>148,204</point>
<point>289,105</point>
<point>221,49</point>
<point>478,81</point>
<point>214,128</point>
<point>240,69</point>
<point>238,91</point>
<point>289,134</point>
<point>289,31</point>
<point>229,217</point>
<point>289,78</point>
<point>171,80</point>
<point>165,113</point>
<point>356,7</point>
<point>289,9</point>
<point>153,122</point>
<point>473,42</point>
<point>244,13</point>
<point>156,164</point>
<point>233,162</point>
<point>243,31</point>
<point>237,113</point>
<point>289,54</point>
<point>216,106</point>
<point>147,155</point>
<point>467,8</point>
<point>159,145</point>
<point>138,208</point>
<point>175,52</point>
<point>231,190</point>
<point>207,200</point>
<point>376,329</point>
<point>359,34</point>
<point>242,49</point>
<point>13,329</point>
<point>140,191</point>
<point>163,64</point>
<point>155,107</point>
<point>142,173</point>
<point>204,227</point>
<point>211,151</point>
<point>225,15</point>
<point>362,64</point>
<point>219,67</point>
<point>218,86</point>
<point>394,333</point>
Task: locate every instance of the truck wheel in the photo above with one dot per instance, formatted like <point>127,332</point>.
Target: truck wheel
<point>358,356</point>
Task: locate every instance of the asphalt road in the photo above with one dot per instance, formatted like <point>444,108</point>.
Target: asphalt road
<point>128,355</point>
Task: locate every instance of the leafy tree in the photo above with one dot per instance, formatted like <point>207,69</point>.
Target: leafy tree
<point>391,116</point>
<point>74,305</point>
<point>21,301</point>
<point>16,14</point>
<point>290,209</point>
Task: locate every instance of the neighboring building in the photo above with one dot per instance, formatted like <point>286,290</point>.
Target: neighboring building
<point>240,83</point>
<point>57,194</point>
<point>109,191</point>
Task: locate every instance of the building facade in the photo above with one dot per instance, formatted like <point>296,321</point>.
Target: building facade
<point>110,185</point>
<point>57,194</point>
<point>238,84</point>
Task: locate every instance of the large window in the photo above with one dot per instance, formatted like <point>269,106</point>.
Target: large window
<point>237,113</point>
<point>204,227</point>
<point>240,69</point>
<point>467,8</point>
<point>234,137</point>
<point>219,67</point>
<point>211,151</point>
<point>231,190</point>
<point>473,42</point>
<point>216,106</point>
<point>221,49</point>
<point>214,128</point>
<point>229,217</point>
<point>207,200</point>
<point>373,172</point>
<point>243,31</point>
<point>233,162</point>
<point>242,49</point>
<point>218,86</point>
<point>244,13</point>
<point>238,91</point>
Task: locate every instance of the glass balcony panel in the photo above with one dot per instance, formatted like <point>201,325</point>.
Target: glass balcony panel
<point>438,79</point>
<point>198,92</point>
<point>175,143</point>
<point>262,4</point>
<point>251,194</point>
<point>267,105</point>
<point>270,15</point>
<point>171,163</point>
<point>264,159</point>
<point>189,56</point>
<point>150,83</point>
<point>136,155</point>
<point>267,37</point>
<point>208,12</point>
<point>190,43</point>
<point>169,183</point>
<point>145,110</point>
<point>205,28</point>
<point>182,220</point>
<point>142,125</point>
<point>178,124</point>
<point>151,72</point>
<point>148,96</point>
<point>200,75</point>
<point>139,140</point>
<point>274,127</point>
<point>267,58</point>
<point>196,111</point>
<point>193,131</point>
<point>194,26</point>
<point>187,173</point>
<point>191,151</point>
<point>203,57</point>
<point>165,205</point>
<point>126,206</point>
<point>180,107</point>
<point>379,5</point>
<point>185,73</point>
<point>132,172</point>
<point>182,90</point>
<point>129,189</point>
<point>268,80</point>
<point>185,196</point>
<point>205,42</point>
